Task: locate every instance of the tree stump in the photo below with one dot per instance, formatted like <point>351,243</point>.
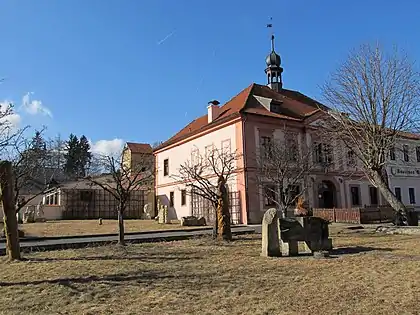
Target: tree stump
<point>223,220</point>
<point>222,211</point>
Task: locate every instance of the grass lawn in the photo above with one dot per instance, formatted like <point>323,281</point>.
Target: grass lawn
<point>370,274</point>
<point>82,227</point>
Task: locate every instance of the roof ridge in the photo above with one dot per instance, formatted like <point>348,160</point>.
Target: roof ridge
<point>252,86</point>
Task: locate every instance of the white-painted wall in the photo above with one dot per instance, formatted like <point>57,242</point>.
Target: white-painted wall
<point>341,171</point>
<point>53,213</point>
<point>405,174</point>
<point>179,155</point>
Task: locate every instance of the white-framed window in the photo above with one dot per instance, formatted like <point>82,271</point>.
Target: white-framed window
<point>269,195</point>
<point>183,197</point>
<point>165,167</point>
<point>266,146</point>
<point>226,146</point>
<point>355,195</point>
<point>351,158</point>
<point>392,153</point>
<point>412,196</point>
<point>373,195</point>
<point>195,156</point>
<point>405,153</point>
<point>208,150</point>
<point>292,149</point>
<point>51,199</point>
<point>398,193</point>
<point>323,153</point>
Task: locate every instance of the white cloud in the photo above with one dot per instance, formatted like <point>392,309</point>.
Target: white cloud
<point>34,107</point>
<point>108,147</point>
<point>13,119</point>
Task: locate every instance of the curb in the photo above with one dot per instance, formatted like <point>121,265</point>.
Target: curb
<point>65,237</point>
<point>25,248</point>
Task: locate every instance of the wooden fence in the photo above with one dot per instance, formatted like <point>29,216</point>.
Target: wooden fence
<point>365,215</point>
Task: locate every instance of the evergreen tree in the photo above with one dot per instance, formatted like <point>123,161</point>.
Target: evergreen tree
<point>85,156</point>
<point>36,154</point>
<point>78,156</point>
<point>38,143</point>
<point>71,156</point>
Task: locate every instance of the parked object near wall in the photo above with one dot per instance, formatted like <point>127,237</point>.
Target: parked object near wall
<point>193,221</point>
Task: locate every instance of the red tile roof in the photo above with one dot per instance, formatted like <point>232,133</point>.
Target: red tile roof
<point>294,106</point>
<point>139,147</point>
<point>409,135</point>
<point>226,112</point>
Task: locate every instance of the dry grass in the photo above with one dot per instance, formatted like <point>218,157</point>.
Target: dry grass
<point>371,274</point>
<point>83,227</point>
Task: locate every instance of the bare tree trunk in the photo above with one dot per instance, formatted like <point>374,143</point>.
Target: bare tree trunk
<point>215,225</point>
<point>383,187</point>
<point>121,240</point>
<point>223,219</point>
<point>9,208</point>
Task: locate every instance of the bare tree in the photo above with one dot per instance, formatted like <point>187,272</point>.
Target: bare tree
<point>26,176</point>
<point>31,171</point>
<point>283,167</point>
<point>123,181</point>
<point>207,176</point>
<point>156,144</point>
<point>9,138</point>
<point>9,133</point>
<point>376,99</point>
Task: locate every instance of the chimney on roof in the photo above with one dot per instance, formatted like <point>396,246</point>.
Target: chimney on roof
<point>212,110</point>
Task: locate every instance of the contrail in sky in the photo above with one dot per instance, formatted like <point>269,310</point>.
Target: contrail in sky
<point>165,38</point>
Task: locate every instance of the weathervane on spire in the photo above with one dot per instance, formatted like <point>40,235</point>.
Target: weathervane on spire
<point>273,62</point>
<point>270,25</point>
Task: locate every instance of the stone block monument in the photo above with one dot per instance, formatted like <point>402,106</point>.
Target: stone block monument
<point>270,234</point>
<point>281,236</point>
<point>311,231</point>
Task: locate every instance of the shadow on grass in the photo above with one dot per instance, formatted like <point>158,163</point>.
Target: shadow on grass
<point>144,258</point>
<point>357,250</point>
<point>116,279</point>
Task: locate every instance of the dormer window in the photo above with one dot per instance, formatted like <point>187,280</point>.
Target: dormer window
<point>275,107</point>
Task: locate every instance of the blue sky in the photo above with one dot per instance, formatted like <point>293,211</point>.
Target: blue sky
<point>140,70</point>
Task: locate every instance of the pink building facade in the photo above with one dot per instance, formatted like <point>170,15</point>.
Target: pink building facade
<point>265,111</point>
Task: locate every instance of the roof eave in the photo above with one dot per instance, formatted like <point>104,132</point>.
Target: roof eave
<point>206,127</point>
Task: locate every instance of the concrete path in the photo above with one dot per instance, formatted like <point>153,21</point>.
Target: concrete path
<point>47,243</point>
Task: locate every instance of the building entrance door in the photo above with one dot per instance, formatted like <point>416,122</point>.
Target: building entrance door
<point>327,194</point>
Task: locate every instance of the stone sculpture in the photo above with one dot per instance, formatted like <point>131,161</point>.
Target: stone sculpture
<point>270,234</point>
<point>281,236</point>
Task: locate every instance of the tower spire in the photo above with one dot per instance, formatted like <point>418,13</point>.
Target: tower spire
<point>272,42</point>
<point>273,61</point>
